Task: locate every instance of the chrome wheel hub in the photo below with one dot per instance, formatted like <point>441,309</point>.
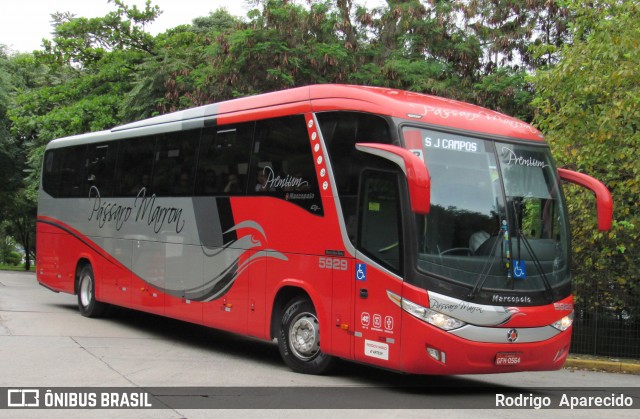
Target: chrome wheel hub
<point>86,290</point>
<point>304,336</point>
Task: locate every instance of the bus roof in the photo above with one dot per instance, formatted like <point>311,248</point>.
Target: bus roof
<point>421,108</point>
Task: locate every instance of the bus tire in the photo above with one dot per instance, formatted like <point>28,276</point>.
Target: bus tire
<point>299,339</point>
<point>87,303</point>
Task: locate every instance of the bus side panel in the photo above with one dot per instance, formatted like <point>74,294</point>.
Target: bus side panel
<point>229,310</point>
<point>378,319</point>
<point>342,328</point>
<point>60,249</point>
<point>48,258</point>
<point>183,309</point>
<point>113,280</point>
<point>182,264</point>
<point>71,248</point>
<point>148,263</point>
<point>257,322</point>
<point>293,242</point>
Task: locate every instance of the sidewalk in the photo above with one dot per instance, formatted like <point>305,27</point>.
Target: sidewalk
<point>588,362</point>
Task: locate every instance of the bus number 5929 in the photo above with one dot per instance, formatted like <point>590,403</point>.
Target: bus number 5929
<point>332,263</point>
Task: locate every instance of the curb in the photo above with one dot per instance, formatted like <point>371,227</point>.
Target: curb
<point>599,364</point>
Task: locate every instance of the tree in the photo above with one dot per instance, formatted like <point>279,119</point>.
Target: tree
<point>440,48</point>
<point>21,214</point>
<point>84,42</point>
<point>588,108</point>
<point>89,67</point>
<point>507,29</point>
<point>17,209</point>
<point>178,75</point>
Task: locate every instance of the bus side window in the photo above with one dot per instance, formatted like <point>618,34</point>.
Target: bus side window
<point>175,163</point>
<point>134,166</point>
<point>283,165</point>
<point>223,160</point>
<point>72,171</point>
<point>51,173</point>
<point>101,162</point>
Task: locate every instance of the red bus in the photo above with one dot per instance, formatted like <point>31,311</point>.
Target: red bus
<point>396,229</point>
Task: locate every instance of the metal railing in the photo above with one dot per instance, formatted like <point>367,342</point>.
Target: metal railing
<point>601,329</point>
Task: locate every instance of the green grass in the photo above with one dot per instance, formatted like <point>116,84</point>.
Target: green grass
<point>17,268</point>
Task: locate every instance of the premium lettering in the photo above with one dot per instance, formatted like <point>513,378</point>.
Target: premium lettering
<point>513,159</point>
<point>283,182</point>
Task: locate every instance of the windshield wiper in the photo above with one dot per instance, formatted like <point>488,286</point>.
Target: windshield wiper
<point>485,274</point>
<point>547,285</point>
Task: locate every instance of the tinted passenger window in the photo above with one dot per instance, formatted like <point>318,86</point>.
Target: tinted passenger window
<point>101,163</point>
<point>51,173</point>
<point>175,163</point>
<point>72,172</point>
<point>283,163</point>
<point>223,164</point>
<point>64,172</point>
<point>134,167</point>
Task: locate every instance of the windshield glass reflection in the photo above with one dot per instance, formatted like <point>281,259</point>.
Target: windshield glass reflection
<point>496,220</point>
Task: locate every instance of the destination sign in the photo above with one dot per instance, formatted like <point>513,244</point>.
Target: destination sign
<point>452,142</point>
<point>419,140</point>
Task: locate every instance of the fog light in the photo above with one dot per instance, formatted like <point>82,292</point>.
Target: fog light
<point>437,355</point>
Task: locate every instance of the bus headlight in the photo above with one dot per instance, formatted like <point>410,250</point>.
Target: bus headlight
<point>435,318</point>
<point>564,323</point>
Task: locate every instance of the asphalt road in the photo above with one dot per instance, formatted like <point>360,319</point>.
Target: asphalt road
<point>46,343</point>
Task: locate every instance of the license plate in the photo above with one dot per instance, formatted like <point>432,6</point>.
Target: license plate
<point>508,358</point>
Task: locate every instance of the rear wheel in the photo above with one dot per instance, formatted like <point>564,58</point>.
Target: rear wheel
<point>87,303</point>
<point>299,339</point>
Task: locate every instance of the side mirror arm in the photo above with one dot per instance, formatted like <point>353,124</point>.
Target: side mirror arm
<point>414,169</point>
<point>604,202</point>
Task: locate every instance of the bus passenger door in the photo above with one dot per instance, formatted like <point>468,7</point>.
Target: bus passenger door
<point>377,270</point>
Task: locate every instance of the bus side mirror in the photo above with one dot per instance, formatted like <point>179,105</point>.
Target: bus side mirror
<point>604,202</point>
<point>414,169</point>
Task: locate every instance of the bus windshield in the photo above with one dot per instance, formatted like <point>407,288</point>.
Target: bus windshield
<point>497,219</point>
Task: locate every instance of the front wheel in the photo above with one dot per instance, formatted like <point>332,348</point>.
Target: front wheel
<point>299,339</point>
<point>87,303</point>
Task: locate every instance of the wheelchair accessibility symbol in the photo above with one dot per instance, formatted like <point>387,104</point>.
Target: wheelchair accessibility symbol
<point>519,269</point>
<point>361,272</point>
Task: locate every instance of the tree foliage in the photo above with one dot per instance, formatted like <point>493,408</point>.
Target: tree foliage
<point>17,207</point>
<point>588,107</point>
<point>87,69</point>
<point>430,47</point>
